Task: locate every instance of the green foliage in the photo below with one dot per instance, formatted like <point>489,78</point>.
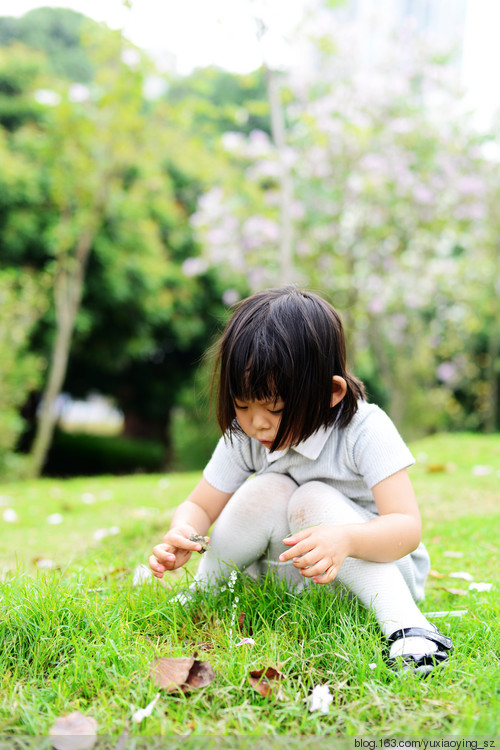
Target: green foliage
<point>57,33</point>
<point>22,301</point>
<point>213,101</point>
<point>20,71</point>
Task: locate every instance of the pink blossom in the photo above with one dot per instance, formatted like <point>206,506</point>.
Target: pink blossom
<point>446,372</point>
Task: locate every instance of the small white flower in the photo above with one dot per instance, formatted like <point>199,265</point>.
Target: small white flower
<point>88,498</point>
<point>320,699</point>
<point>10,515</point>
<point>55,519</point>
<point>246,642</point>
<point>142,713</point>
<point>142,574</point>
<point>372,665</point>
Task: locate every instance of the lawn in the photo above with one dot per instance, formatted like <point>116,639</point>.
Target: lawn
<point>76,634</point>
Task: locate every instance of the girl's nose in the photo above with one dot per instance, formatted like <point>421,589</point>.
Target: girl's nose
<point>260,421</point>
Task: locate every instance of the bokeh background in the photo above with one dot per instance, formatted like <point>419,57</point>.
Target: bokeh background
<point>157,164</point>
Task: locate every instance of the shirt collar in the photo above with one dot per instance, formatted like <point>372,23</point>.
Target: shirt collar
<point>309,448</point>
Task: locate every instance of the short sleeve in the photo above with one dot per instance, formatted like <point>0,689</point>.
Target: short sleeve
<point>229,465</point>
<point>378,449</point>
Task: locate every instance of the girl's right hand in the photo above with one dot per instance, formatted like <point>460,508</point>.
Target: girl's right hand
<point>174,551</point>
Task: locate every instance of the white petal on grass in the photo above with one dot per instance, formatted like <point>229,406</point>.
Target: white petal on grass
<point>55,519</point>
<point>462,574</point>
<point>246,642</point>
<point>480,586</point>
<point>88,498</point>
<point>372,665</point>
<point>142,713</point>
<point>10,515</point>
<point>142,574</point>
<point>320,699</point>
<point>100,534</point>
<point>481,471</point>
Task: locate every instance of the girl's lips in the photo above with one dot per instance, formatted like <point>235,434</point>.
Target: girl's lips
<point>266,442</point>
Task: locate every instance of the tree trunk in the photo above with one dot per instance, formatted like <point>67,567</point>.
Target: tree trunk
<point>68,288</point>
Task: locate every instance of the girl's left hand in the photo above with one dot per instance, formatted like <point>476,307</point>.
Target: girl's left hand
<point>318,552</point>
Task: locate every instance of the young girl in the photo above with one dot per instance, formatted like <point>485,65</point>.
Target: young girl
<point>331,499</point>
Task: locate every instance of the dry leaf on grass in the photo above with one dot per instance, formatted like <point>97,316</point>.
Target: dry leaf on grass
<point>73,732</point>
<point>435,574</point>
<point>267,682</point>
<point>455,592</point>
<point>181,673</point>
<point>170,673</point>
<point>201,674</point>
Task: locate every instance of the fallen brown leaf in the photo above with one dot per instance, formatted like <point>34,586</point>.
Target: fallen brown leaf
<point>434,468</point>
<point>73,732</point>
<point>170,673</point>
<point>435,574</point>
<point>201,674</point>
<point>266,681</point>
<point>456,592</point>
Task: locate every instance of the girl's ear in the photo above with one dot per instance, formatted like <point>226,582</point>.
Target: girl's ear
<point>339,389</point>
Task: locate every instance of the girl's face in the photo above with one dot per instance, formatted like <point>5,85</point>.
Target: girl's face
<point>259,419</point>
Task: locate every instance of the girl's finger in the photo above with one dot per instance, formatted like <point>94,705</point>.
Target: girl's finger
<point>297,537</point>
<point>298,549</point>
<point>306,560</point>
<point>327,576</point>
<point>163,554</point>
<point>317,570</point>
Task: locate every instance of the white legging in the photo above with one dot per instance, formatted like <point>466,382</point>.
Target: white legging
<point>249,533</point>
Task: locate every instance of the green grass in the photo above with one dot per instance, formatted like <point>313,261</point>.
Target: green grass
<point>81,637</point>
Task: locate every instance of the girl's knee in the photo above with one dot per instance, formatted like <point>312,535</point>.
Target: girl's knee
<point>265,493</point>
<point>317,502</point>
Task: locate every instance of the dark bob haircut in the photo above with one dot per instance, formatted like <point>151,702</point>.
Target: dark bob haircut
<point>285,344</point>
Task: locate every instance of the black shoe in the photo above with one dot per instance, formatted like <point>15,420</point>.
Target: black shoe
<point>419,663</point>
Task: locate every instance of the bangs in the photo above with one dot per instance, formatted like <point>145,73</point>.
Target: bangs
<point>263,379</point>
